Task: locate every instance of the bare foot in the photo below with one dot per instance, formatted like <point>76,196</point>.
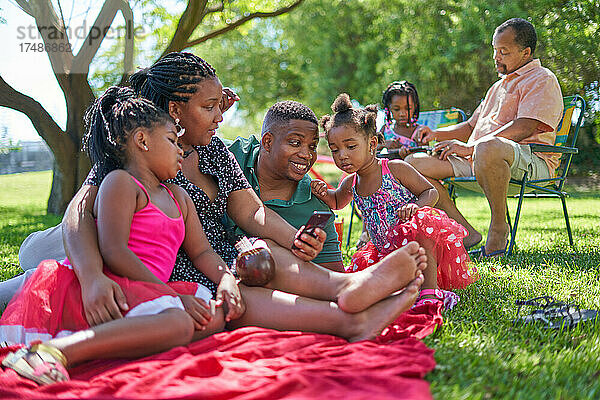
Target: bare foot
<point>496,238</point>
<point>371,322</point>
<point>473,239</point>
<point>377,282</point>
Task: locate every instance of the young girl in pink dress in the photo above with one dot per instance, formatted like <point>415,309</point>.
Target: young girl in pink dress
<point>395,200</point>
<point>141,225</point>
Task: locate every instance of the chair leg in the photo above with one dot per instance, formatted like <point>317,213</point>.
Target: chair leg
<point>513,234</point>
<point>350,225</point>
<point>508,217</point>
<point>564,205</point>
<point>452,192</point>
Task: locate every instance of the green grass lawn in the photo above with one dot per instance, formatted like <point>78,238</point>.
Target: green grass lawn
<point>480,354</point>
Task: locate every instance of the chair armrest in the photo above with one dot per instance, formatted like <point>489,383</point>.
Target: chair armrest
<point>546,148</point>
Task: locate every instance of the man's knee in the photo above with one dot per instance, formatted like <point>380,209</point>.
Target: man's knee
<point>420,161</point>
<point>492,151</point>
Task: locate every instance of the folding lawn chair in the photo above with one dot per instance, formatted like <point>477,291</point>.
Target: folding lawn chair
<point>566,138</point>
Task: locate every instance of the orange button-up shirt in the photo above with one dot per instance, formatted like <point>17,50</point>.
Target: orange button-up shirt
<point>533,92</point>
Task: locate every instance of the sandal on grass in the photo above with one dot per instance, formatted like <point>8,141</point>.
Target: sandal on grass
<point>42,363</point>
<point>553,314</point>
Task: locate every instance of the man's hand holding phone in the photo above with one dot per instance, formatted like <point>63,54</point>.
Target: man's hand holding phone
<point>310,238</point>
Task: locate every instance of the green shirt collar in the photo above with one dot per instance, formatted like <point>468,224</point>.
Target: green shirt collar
<point>246,152</point>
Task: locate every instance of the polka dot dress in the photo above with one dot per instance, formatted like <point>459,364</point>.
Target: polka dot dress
<point>380,215</point>
<point>217,161</point>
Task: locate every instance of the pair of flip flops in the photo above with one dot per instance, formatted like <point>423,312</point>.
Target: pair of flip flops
<point>552,314</point>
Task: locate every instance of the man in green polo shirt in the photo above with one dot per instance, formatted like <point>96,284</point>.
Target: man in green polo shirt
<point>277,167</point>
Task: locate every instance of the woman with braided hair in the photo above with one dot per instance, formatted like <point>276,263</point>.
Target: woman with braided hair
<point>138,142</point>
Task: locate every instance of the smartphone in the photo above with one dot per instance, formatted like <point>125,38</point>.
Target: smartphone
<point>318,219</point>
<point>420,149</point>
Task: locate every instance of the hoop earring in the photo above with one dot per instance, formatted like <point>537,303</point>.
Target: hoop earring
<point>180,130</point>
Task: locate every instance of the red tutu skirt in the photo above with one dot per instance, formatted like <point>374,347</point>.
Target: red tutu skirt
<point>49,305</point>
<point>455,270</point>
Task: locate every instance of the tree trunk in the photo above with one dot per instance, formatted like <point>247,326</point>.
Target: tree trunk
<point>71,165</point>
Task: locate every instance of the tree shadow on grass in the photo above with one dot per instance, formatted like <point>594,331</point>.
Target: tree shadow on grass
<point>13,233</point>
<point>585,260</point>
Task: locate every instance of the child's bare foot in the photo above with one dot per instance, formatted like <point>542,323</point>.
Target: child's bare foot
<point>377,282</point>
<point>371,322</point>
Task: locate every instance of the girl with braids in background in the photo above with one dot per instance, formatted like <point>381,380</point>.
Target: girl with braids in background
<point>401,106</point>
<point>302,295</point>
<point>138,142</point>
<point>396,202</point>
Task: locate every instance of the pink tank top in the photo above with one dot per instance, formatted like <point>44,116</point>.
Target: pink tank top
<point>155,237</point>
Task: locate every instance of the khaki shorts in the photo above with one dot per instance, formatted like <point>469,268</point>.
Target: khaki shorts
<point>525,161</point>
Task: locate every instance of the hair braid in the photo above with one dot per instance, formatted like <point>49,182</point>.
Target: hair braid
<point>172,78</point>
<point>400,88</point>
<point>111,119</point>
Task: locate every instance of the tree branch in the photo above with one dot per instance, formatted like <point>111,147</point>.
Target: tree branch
<point>24,5</point>
<point>98,32</point>
<point>190,19</point>
<point>46,127</point>
<point>240,22</point>
<point>215,9</point>
<point>53,34</point>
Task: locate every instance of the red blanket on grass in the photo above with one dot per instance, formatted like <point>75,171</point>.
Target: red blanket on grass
<point>256,363</point>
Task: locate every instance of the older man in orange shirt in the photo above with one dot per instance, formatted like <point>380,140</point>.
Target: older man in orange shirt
<point>524,106</point>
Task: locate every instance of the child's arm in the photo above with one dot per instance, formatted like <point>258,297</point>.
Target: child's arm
<point>103,300</point>
<point>418,185</point>
<point>117,201</point>
<point>205,259</point>
<point>335,199</point>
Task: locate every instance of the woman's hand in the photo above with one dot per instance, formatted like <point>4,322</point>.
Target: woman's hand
<point>453,147</point>
<point>407,211</point>
<point>228,293</point>
<point>229,98</point>
<point>103,300</point>
<point>197,308</point>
